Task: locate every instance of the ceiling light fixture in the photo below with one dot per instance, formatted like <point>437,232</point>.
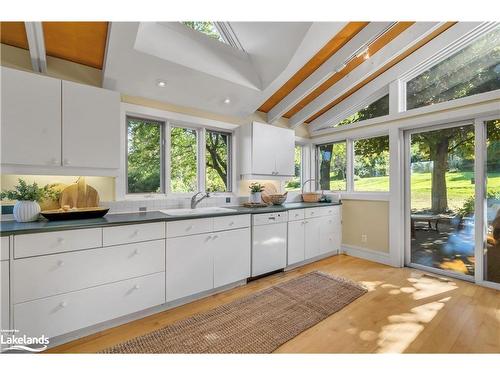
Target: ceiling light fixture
<point>363,52</point>
<point>227,101</point>
<point>161,83</point>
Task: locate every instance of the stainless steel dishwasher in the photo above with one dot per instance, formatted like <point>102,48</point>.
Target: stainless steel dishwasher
<point>269,232</point>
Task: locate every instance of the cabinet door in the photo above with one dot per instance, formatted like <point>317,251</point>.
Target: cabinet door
<point>31,119</point>
<point>91,126</point>
<point>189,265</point>
<point>296,241</point>
<point>231,251</point>
<point>312,237</point>
<point>272,150</point>
<point>4,295</point>
<point>327,234</point>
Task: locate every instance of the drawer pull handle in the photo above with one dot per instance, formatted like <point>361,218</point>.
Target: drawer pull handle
<point>136,286</point>
<point>231,223</point>
<point>63,304</point>
<point>135,232</point>
<point>60,263</point>
<point>209,238</point>
<point>215,237</point>
<point>136,252</point>
<point>60,240</point>
<point>189,228</point>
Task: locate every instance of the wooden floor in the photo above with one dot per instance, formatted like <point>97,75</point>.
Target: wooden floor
<point>405,311</point>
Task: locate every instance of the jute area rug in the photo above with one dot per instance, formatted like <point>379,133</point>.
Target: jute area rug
<point>257,323</point>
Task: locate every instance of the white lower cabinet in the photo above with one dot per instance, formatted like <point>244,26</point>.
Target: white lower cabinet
<point>231,250</point>
<point>316,233</point>
<point>296,242</point>
<point>4,294</point>
<point>189,265</point>
<point>60,314</point>
<point>44,276</point>
<point>200,262</point>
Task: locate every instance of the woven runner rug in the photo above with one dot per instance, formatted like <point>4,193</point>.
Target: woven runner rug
<point>257,323</point>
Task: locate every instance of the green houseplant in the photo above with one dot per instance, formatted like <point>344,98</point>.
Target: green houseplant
<point>27,197</point>
<point>256,190</point>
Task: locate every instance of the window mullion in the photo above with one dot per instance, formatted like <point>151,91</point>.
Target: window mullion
<point>201,158</point>
<point>350,166</point>
<point>167,148</point>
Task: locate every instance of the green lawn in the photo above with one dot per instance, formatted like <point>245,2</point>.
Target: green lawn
<point>458,183</point>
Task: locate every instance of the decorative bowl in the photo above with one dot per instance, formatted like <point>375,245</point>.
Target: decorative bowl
<point>277,199</point>
<point>311,197</point>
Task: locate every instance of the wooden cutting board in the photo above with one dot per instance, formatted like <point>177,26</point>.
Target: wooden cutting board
<point>79,195</point>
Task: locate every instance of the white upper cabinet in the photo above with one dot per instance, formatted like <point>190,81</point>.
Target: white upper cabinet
<point>47,123</point>
<point>91,126</point>
<point>267,150</point>
<point>31,119</point>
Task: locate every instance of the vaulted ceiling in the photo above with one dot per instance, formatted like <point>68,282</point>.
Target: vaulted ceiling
<point>304,71</point>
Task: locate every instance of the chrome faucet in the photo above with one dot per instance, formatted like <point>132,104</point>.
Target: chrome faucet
<point>194,201</point>
<point>305,182</point>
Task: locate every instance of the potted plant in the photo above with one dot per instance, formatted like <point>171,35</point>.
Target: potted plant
<point>256,190</point>
<point>27,196</point>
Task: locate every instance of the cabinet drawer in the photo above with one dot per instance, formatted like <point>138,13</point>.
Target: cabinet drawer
<point>68,312</point>
<point>296,215</point>
<point>49,275</point>
<point>231,222</point>
<point>132,233</point>
<point>26,245</point>
<point>4,248</point>
<point>188,227</point>
<point>313,212</point>
<point>329,211</point>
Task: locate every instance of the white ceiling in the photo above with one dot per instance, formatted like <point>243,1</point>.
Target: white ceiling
<point>202,72</point>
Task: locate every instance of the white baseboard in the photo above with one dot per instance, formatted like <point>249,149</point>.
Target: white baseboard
<point>368,254</point>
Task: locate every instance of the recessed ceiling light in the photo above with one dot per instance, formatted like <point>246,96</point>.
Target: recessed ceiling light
<point>161,83</point>
<point>227,101</point>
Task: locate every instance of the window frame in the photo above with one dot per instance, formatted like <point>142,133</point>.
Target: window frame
<point>148,114</point>
<point>229,159</point>
<point>438,58</point>
<point>162,154</point>
<point>348,176</point>
<point>354,140</point>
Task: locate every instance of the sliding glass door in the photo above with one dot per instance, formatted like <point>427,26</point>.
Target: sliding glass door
<point>440,202</point>
<point>491,259</point>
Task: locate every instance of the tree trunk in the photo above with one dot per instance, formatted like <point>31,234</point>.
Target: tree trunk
<point>439,153</point>
<point>324,168</point>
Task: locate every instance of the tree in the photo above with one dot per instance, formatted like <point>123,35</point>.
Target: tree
<point>216,160</point>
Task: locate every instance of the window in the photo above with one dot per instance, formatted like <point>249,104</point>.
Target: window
<point>217,146</point>
<point>183,160</point>
<point>144,156</point>
<point>205,27</point>
<point>472,70</point>
<point>332,163</point>
<point>371,164</point>
<point>378,108</point>
<point>295,183</point>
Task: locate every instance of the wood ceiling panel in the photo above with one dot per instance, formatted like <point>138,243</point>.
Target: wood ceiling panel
<point>80,42</point>
<point>13,34</point>
<point>386,67</point>
<point>337,42</point>
<point>376,46</point>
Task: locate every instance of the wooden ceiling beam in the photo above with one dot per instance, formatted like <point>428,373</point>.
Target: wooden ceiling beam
<point>326,70</point>
<point>339,40</point>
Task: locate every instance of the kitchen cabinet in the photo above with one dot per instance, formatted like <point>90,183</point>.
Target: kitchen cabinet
<point>312,237</point>
<point>189,265</point>
<point>51,123</point>
<point>91,126</point>
<point>197,263</point>
<point>313,232</point>
<point>296,241</point>
<point>267,150</point>
<point>4,294</point>
<point>231,254</point>
<point>31,119</point>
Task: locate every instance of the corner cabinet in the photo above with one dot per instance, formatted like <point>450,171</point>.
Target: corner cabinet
<point>267,150</point>
<point>49,125</point>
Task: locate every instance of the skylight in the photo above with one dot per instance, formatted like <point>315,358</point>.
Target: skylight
<point>205,27</point>
<point>220,31</point>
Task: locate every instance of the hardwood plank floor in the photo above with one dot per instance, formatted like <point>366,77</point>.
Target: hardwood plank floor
<point>405,311</point>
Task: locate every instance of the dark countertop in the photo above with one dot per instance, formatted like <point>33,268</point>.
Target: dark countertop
<point>13,227</point>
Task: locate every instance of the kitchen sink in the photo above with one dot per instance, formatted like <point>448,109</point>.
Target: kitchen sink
<point>197,211</point>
